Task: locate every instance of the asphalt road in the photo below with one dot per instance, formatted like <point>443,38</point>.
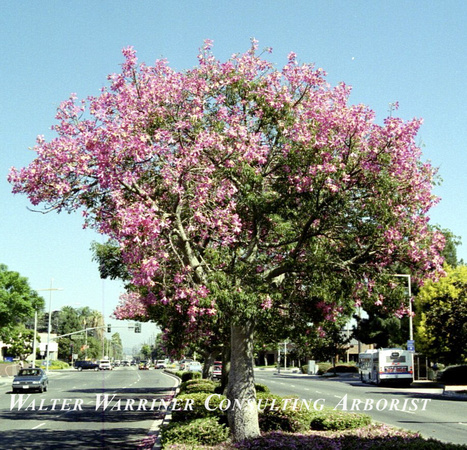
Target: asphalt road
<point>422,410</point>
<point>86,410</point>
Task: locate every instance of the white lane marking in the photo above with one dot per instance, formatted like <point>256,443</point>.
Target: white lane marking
<point>38,426</point>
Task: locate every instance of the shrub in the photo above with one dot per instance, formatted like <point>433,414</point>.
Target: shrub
<point>204,431</point>
<point>338,420</point>
<point>56,365</point>
<point>262,388</point>
<point>342,368</point>
<point>323,368</point>
<point>196,409</point>
<point>282,416</point>
<point>190,376</point>
<point>192,386</point>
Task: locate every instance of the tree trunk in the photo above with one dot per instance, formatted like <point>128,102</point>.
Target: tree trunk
<point>208,362</point>
<point>225,367</point>
<point>243,412</point>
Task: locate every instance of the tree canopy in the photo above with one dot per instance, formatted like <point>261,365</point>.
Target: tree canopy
<point>239,191</point>
<point>18,301</point>
<point>442,325</point>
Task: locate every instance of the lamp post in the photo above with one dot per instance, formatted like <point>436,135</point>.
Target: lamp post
<point>403,275</point>
<point>50,319</point>
<point>34,343</point>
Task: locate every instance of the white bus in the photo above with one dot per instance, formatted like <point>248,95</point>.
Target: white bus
<point>386,365</point>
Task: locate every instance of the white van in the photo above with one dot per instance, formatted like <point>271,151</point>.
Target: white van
<point>105,365</point>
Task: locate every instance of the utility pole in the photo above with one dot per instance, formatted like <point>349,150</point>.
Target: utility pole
<point>50,320</point>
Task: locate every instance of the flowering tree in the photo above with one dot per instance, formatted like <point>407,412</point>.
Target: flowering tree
<point>240,191</point>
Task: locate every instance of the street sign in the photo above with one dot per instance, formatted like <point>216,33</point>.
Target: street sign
<point>411,346</point>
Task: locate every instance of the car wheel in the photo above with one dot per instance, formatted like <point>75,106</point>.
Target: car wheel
<point>96,369</point>
<point>45,388</point>
<point>80,369</point>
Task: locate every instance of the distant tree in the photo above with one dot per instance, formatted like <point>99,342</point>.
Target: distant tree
<point>116,347</point>
<point>146,351</point>
<point>326,342</point>
<point>18,301</point>
<point>20,341</point>
<point>450,249</point>
<point>442,324</point>
<point>382,330</point>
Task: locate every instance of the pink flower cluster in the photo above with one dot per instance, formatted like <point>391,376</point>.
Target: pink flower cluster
<point>176,166</point>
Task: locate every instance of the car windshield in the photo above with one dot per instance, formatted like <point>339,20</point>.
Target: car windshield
<point>29,373</point>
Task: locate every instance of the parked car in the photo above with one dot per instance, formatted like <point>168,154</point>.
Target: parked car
<point>453,375</point>
<point>184,364</point>
<point>86,365</point>
<point>194,366</point>
<point>160,364</point>
<point>105,364</point>
<point>30,379</point>
<point>216,373</point>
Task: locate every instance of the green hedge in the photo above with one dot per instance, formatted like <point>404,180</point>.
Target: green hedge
<point>198,385</point>
<point>190,376</point>
<point>202,431</point>
<point>196,408</point>
<point>343,368</point>
<point>284,417</point>
<point>262,388</point>
<point>338,420</point>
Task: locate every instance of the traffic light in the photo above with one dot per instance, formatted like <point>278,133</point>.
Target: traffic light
<point>137,327</point>
<point>109,328</point>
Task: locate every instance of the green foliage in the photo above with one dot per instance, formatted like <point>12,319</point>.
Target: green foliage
<point>198,385</point>
<point>299,417</point>
<point>57,365</point>
<point>20,341</point>
<point>380,328</point>
<point>338,420</point>
<point>109,258</point>
<point>288,420</point>
<point>343,368</point>
<point>202,431</point>
<point>262,388</point>
<point>442,327</point>
<point>193,406</point>
<point>17,300</point>
<point>190,376</point>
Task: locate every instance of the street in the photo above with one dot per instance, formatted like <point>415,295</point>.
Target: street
<point>118,408</point>
<point>416,409</point>
<point>105,409</point>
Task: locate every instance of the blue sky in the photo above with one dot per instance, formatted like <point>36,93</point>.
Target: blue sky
<point>412,52</point>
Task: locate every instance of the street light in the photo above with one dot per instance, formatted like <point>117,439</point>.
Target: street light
<point>34,343</point>
<point>403,275</point>
<point>50,319</point>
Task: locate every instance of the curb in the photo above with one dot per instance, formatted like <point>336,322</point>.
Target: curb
<point>157,424</point>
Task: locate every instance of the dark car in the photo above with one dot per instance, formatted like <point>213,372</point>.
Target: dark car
<point>86,365</point>
<point>453,375</point>
<point>29,380</point>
